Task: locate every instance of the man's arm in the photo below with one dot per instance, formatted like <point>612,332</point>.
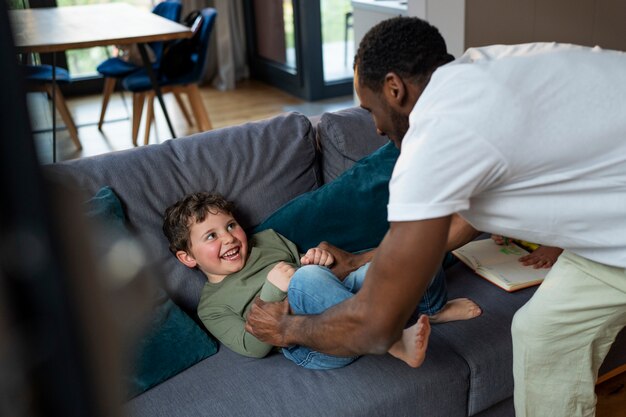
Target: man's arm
<point>372,320</point>
<point>461,232</point>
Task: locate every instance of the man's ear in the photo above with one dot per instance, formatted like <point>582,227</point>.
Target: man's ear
<point>394,90</point>
<point>186,258</point>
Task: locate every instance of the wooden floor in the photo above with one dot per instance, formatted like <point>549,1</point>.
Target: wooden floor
<point>251,100</point>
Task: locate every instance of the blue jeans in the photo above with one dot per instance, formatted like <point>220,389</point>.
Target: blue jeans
<point>313,289</point>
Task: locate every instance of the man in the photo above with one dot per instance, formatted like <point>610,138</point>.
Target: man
<point>527,141</point>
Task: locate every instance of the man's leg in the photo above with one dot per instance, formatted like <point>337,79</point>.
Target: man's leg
<point>561,336</point>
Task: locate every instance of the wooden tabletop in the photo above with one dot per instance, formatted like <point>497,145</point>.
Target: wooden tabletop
<point>54,29</point>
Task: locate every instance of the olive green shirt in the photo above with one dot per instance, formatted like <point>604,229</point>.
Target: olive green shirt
<point>224,306</point>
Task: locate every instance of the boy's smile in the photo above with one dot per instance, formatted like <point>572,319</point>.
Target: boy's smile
<point>218,246</point>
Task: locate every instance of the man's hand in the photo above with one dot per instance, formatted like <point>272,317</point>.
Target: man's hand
<point>318,256</point>
<point>265,321</point>
<point>345,262</point>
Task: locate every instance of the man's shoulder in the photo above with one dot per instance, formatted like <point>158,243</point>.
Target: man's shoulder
<point>495,52</point>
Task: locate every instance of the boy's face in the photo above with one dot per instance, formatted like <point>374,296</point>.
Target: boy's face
<point>218,246</point>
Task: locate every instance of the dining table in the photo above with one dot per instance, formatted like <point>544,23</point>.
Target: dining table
<point>58,29</point>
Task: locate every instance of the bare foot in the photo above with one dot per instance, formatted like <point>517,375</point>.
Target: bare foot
<point>457,309</point>
<point>542,257</point>
<point>411,348</point>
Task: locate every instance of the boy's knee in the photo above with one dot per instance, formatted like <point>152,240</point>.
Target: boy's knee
<point>308,281</point>
<point>306,275</point>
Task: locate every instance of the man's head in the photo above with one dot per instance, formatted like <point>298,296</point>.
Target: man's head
<point>203,233</point>
<point>392,66</point>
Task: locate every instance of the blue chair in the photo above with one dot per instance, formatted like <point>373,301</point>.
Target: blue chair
<point>141,87</point>
<point>39,78</point>
<point>116,68</point>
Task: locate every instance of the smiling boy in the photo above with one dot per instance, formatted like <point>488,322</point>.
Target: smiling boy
<point>204,234</point>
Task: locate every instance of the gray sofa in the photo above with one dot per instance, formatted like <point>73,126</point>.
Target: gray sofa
<point>263,165</point>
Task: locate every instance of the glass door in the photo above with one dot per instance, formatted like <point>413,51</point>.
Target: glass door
<point>337,39</point>
<point>301,46</point>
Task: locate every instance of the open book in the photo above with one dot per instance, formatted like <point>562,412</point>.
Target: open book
<point>499,264</point>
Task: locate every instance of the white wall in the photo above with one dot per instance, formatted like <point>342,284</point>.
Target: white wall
<point>448,16</point>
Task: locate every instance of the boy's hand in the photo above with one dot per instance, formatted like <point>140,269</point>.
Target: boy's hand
<point>280,275</point>
<point>500,240</point>
<point>542,257</point>
<point>346,262</point>
<point>318,256</point>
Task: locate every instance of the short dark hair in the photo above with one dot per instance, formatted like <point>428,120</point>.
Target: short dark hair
<point>408,46</point>
<point>193,208</point>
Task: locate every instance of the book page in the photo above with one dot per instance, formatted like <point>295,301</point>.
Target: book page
<point>500,264</point>
<point>514,274</point>
<point>487,252</point>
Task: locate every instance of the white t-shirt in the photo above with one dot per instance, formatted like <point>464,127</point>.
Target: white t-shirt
<point>526,141</point>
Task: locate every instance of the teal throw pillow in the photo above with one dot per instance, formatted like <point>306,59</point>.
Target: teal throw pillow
<point>172,344</point>
<point>172,341</point>
<point>350,212</point>
<point>106,208</point>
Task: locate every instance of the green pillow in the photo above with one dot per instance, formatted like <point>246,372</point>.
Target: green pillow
<point>172,344</point>
<point>349,212</point>
<point>106,209</point>
<point>172,341</point>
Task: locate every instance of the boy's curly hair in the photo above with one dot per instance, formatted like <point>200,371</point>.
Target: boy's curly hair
<point>193,208</point>
<point>408,46</point>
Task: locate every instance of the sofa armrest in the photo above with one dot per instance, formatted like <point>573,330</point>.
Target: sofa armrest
<point>344,137</point>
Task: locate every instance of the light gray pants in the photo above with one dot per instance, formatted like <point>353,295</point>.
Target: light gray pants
<point>561,336</point>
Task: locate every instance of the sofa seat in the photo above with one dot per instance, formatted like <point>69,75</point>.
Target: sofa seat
<point>227,384</point>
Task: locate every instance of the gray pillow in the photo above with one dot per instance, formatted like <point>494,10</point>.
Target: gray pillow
<point>345,137</point>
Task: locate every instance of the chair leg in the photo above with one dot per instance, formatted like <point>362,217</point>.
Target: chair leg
<point>138,99</point>
<point>197,107</point>
<point>61,106</point>
<point>149,117</point>
<point>109,86</point>
<point>183,108</point>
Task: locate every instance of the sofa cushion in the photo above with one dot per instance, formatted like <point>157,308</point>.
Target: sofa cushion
<point>345,137</point>
<point>171,341</point>
<point>228,384</point>
<point>349,212</point>
<point>484,342</point>
<point>260,166</point>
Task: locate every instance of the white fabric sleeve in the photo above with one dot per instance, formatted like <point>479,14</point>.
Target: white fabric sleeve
<point>493,52</point>
<point>441,166</point>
